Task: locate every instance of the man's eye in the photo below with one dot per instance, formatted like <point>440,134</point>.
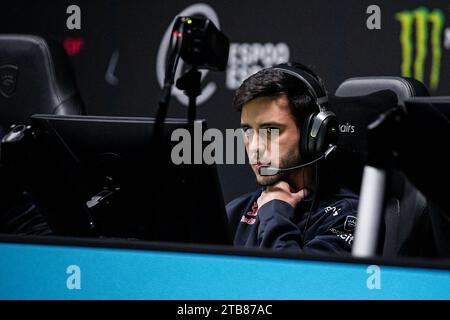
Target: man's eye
<point>272,130</point>
<point>248,131</point>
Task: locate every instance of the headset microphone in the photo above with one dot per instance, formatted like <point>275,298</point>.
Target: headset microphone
<point>271,171</point>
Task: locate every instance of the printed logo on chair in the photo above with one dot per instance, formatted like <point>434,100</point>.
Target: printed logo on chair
<point>8,80</point>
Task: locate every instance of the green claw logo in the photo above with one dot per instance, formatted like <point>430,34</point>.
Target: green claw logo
<point>421,19</point>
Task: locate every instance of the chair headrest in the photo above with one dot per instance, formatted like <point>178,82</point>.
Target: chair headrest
<point>404,87</point>
<point>354,114</point>
<point>35,77</point>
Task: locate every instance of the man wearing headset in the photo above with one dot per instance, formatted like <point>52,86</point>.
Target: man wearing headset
<point>290,211</point>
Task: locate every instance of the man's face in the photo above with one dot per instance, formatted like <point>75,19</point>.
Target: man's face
<point>259,118</point>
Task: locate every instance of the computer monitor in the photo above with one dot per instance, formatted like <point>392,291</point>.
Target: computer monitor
<point>440,104</point>
<point>424,146</point>
<point>97,176</point>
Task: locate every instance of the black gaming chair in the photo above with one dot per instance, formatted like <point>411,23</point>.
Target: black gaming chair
<point>406,229</point>
<point>357,103</point>
<point>404,88</point>
<point>35,77</point>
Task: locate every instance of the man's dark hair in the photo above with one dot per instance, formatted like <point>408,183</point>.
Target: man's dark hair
<point>273,83</point>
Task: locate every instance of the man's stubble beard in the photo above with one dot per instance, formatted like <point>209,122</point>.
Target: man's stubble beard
<point>271,180</point>
<point>291,161</point>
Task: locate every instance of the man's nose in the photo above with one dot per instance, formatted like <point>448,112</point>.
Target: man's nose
<point>257,143</point>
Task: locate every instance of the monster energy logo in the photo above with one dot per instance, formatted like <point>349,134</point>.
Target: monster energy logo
<point>422,17</point>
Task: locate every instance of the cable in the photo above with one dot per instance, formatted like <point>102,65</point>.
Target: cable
<point>312,203</point>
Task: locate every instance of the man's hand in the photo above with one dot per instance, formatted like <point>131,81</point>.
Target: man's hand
<point>281,191</point>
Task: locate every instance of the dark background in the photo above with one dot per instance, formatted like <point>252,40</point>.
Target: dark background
<point>330,36</point>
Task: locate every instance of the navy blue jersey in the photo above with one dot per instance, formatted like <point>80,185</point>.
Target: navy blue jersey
<point>278,225</point>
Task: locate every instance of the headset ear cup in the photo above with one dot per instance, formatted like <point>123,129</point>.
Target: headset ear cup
<point>305,138</point>
<point>327,134</point>
<point>321,139</point>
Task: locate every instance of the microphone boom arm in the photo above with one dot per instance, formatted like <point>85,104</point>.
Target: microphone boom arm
<point>271,171</point>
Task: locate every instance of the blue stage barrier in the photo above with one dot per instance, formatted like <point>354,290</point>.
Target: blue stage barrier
<point>43,271</point>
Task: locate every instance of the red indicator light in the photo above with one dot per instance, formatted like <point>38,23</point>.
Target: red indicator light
<point>73,45</point>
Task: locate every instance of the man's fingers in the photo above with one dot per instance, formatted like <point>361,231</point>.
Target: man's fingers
<point>282,191</point>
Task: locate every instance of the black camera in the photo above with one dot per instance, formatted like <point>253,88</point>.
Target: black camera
<point>201,43</point>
